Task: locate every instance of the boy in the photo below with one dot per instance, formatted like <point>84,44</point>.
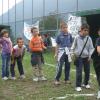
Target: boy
<point>64,42</point>
<point>82,40</point>
<point>17,55</point>
<point>36,46</point>
<point>96,61</point>
<point>6,46</point>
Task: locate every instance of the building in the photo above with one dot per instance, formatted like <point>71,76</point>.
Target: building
<point>13,14</point>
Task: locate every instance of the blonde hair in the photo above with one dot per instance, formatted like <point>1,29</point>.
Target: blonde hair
<point>63,24</point>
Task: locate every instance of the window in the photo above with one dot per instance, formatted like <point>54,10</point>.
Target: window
<point>27,9</point>
<point>11,10</point>
<point>37,8</point>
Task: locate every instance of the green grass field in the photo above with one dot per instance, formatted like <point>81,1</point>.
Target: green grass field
<point>45,90</point>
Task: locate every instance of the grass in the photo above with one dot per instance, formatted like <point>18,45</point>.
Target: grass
<point>28,90</point>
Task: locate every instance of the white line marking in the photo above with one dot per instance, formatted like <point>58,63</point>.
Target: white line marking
<point>70,95</point>
<point>72,69</point>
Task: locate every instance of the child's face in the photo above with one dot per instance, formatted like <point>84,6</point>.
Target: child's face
<point>64,29</point>
<point>84,32</point>
<point>5,35</point>
<point>20,43</point>
<point>35,32</point>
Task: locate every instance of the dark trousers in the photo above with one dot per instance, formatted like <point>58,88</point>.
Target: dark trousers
<point>96,64</point>
<point>79,64</point>
<point>63,59</point>
<point>19,64</point>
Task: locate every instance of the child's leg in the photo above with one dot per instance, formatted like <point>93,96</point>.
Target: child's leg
<point>96,65</point>
<point>40,70</point>
<point>59,68</point>
<point>12,66</point>
<point>67,69</point>
<point>7,64</point>
<point>86,70</point>
<point>79,72</point>
<point>20,66</point>
<point>35,71</point>
<point>3,56</point>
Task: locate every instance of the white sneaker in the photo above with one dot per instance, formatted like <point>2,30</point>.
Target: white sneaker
<point>22,77</point>
<point>5,78</point>
<point>43,78</point>
<point>98,95</point>
<point>36,79</point>
<point>78,89</point>
<point>13,78</point>
<point>86,86</point>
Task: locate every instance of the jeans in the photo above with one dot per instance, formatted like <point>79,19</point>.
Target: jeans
<point>5,64</point>
<point>80,63</point>
<point>19,64</point>
<point>63,59</point>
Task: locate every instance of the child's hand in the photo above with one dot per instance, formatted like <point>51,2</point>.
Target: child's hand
<point>45,48</point>
<point>55,56</point>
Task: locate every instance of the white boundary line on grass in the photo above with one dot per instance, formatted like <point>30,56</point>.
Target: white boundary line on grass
<point>72,69</point>
<point>72,95</point>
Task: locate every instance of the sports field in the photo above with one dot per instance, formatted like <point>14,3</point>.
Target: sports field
<point>45,90</point>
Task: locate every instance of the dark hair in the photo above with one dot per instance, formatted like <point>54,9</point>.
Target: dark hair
<point>20,38</point>
<point>85,26</point>
<point>33,28</point>
<point>99,29</point>
<point>3,31</point>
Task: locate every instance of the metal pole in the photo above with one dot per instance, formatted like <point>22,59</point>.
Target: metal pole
<point>15,19</point>
<point>8,12</point>
<point>77,6</point>
<point>2,11</point>
<point>57,17</point>
<point>32,11</point>
<point>43,14</point>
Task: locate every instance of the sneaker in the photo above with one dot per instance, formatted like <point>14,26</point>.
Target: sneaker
<point>43,78</point>
<point>57,83</point>
<point>67,82</point>
<point>86,86</point>
<point>98,95</point>
<point>78,89</point>
<point>13,78</point>
<point>5,78</point>
<point>36,79</point>
<point>22,77</point>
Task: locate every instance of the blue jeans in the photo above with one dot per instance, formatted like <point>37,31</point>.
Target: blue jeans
<point>79,64</point>
<point>63,59</point>
<point>5,64</point>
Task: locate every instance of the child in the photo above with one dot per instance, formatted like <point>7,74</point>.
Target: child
<point>6,45</point>
<point>96,61</point>
<point>36,47</point>
<point>17,55</point>
<point>62,52</point>
<point>82,48</point>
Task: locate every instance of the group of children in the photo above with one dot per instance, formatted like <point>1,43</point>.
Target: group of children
<point>81,48</point>
<point>11,54</point>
